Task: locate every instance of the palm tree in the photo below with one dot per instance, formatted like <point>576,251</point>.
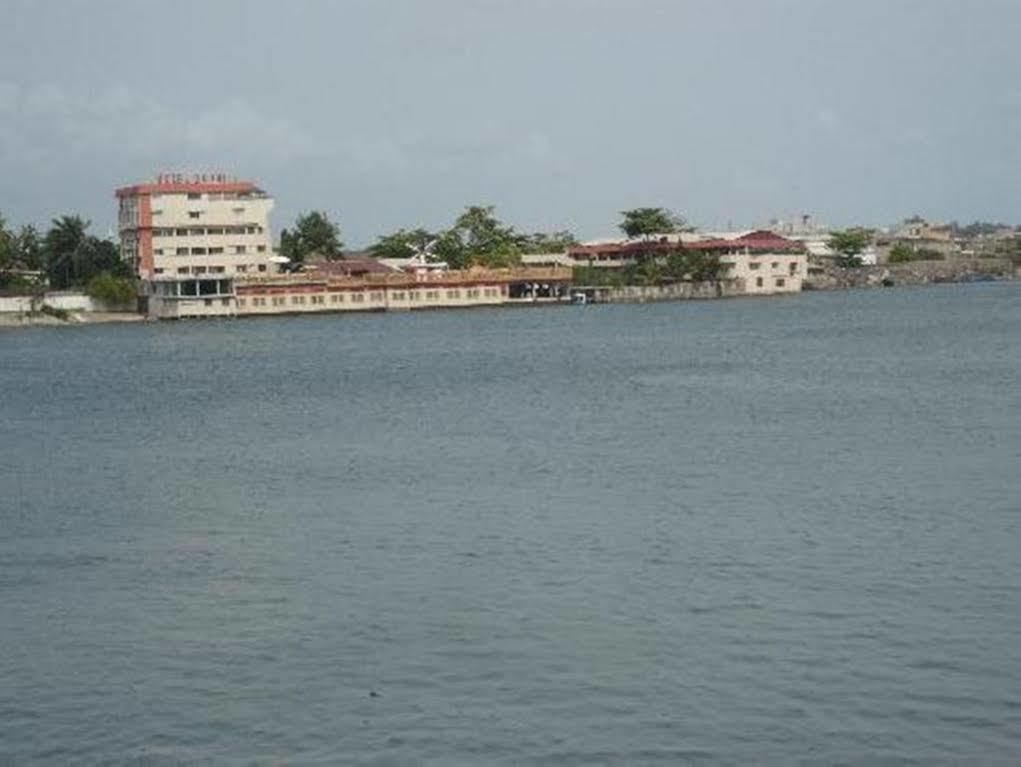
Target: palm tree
<point>62,245</point>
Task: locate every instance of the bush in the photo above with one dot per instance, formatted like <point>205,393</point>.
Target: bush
<point>110,290</point>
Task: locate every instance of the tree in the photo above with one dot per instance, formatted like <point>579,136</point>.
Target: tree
<point>63,241</point>
<point>693,265</point>
<point>73,256</point>
<point>111,290</point>
<point>849,244</point>
<point>313,234</point>
<point>28,248</point>
<point>7,245</point>
<point>554,242</point>
<point>645,222</point>
<point>403,243</point>
<point>478,238</point>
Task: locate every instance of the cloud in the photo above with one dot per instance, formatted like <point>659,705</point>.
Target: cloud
<point>46,124</point>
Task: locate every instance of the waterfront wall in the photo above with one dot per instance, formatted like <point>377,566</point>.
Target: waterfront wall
<point>830,277</point>
<point>69,301</point>
<point>682,291</point>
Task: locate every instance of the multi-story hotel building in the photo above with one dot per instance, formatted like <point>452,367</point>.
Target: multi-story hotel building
<point>198,224</point>
<point>188,236</point>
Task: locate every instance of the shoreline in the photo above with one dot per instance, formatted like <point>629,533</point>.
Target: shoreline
<point>865,278</point>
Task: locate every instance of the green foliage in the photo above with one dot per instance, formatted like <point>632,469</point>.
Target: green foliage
<point>53,311</point>
<point>693,266</point>
<point>73,256</point>
<point>313,234</point>
<point>478,238</point>
<point>541,242</point>
<point>849,243</point>
<point>6,245</point>
<point>28,249</point>
<point>902,253</point>
<point>679,266</point>
<point>402,243</point>
<point>645,222</point>
<point>111,290</point>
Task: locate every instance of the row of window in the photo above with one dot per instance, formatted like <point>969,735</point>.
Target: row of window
<point>195,215</point>
<point>242,268</point>
<point>792,266</point>
<point>211,195</point>
<point>234,249</point>
<point>780,282</point>
<point>202,231</point>
<point>375,296</point>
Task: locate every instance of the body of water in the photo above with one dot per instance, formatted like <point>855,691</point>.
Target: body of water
<point>752,531</point>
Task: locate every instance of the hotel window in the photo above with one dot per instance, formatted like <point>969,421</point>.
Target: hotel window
<point>208,302</point>
<point>199,270</point>
<point>241,302</point>
<point>182,232</point>
<point>398,296</point>
<point>217,269</point>
<point>158,252</point>
<point>182,270</point>
<point>775,265</point>
<point>225,301</point>
<point>242,268</point>
<point>753,264</point>
<point>758,282</point>
<point>294,299</point>
<point>336,298</point>
<point>194,213</point>
<point>262,267</point>
<point>793,268</point>
<point>215,230</point>
<point>780,282</point>
<point>261,248</point>
<point>198,251</point>
<point>215,251</point>
<point>357,297</point>
<point>319,300</point>
<point>239,248</point>
<point>194,196</point>
<point>376,296</point>
<point>182,251</point>
<point>158,271</point>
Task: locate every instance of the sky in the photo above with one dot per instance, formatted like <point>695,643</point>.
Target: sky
<point>561,113</point>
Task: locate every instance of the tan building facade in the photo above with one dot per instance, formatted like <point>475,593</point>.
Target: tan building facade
<point>187,226</point>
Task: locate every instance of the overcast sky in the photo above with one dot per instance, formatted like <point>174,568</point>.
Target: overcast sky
<point>390,113</point>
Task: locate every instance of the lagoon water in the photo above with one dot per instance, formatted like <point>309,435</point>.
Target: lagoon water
<point>753,531</point>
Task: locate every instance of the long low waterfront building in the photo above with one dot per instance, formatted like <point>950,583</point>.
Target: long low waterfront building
<point>311,292</point>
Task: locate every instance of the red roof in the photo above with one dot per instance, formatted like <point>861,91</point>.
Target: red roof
<point>761,240</point>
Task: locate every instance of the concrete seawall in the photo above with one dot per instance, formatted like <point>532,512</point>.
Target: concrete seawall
<point>828,277</point>
<point>683,291</point>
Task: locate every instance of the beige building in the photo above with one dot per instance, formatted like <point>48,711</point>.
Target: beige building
<point>188,236</point>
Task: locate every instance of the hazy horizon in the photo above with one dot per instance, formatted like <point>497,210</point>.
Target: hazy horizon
<point>560,114</point>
